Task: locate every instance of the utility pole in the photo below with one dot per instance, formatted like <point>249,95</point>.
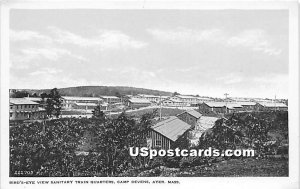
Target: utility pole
<point>226,94</point>
<point>275,102</point>
<point>160,107</point>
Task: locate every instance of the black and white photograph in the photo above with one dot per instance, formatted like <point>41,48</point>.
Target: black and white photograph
<point>149,92</point>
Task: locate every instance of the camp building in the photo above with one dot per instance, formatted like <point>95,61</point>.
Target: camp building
<point>137,103</point>
<point>165,133</point>
<point>23,109</point>
<point>268,106</point>
<point>78,102</point>
<point>191,117</point>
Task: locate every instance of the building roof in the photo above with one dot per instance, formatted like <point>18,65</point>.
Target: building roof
<point>85,104</point>
<point>35,99</point>
<point>233,105</point>
<point>194,113</point>
<point>261,100</point>
<point>246,103</point>
<point>139,100</point>
<point>173,100</point>
<point>114,97</point>
<point>165,97</point>
<point>80,98</point>
<point>186,96</point>
<point>215,104</point>
<point>206,122</point>
<point>20,101</point>
<point>204,99</point>
<point>172,128</point>
<point>230,105</point>
<point>240,99</point>
<point>273,104</point>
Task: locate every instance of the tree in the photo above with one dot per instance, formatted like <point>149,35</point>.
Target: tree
<point>97,113</point>
<point>44,95</point>
<point>19,94</point>
<point>115,138</point>
<point>117,94</point>
<point>53,103</point>
<point>175,93</point>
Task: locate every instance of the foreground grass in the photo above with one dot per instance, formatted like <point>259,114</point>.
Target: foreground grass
<point>248,167</point>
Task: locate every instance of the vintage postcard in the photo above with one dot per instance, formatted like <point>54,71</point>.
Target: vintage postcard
<point>149,94</point>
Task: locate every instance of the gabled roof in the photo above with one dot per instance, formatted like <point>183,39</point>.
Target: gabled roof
<point>230,105</point>
<point>246,103</point>
<point>273,104</point>
<point>85,104</point>
<point>215,104</point>
<point>172,128</point>
<point>35,99</point>
<point>233,105</point>
<point>20,101</point>
<point>193,113</point>
<point>112,97</point>
<point>173,100</point>
<point>204,99</point>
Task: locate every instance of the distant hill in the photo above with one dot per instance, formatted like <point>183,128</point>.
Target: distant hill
<point>89,91</point>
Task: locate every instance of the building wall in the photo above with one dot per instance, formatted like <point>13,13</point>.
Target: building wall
<point>70,104</point>
<point>204,108</point>
<point>81,107</point>
<point>159,141</point>
<point>275,108</point>
<point>248,107</point>
<point>172,103</point>
<point>137,105</point>
<point>25,112</point>
<point>111,100</point>
<point>219,109</point>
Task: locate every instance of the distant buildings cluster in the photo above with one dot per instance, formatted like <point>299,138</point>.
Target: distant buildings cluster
<point>231,107</point>
<point>32,107</point>
<point>165,133</point>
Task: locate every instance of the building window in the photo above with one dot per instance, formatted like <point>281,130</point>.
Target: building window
<point>25,106</point>
<point>10,114</point>
<point>11,107</point>
<point>158,143</point>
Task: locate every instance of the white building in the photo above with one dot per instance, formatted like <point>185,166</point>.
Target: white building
<point>23,109</point>
<point>74,102</point>
<point>172,102</point>
<point>186,99</point>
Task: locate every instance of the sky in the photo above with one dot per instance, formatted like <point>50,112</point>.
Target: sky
<point>205,52</point>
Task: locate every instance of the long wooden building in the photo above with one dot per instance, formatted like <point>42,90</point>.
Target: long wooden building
<point>165,133</point>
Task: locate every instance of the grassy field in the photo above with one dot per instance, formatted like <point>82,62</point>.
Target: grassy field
<point>248,167</point>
